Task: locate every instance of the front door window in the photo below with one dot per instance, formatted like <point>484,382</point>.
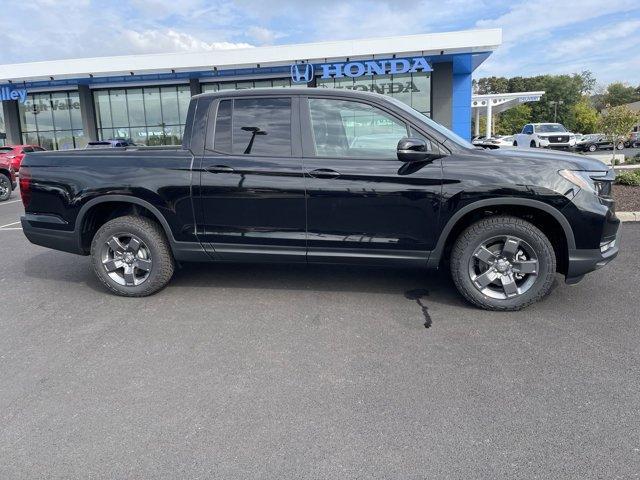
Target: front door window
<point>346,129</point>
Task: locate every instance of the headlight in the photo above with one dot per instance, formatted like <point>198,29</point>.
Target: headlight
<point>593,181</point>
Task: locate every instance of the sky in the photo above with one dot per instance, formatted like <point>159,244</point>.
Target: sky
<point>539,36</point>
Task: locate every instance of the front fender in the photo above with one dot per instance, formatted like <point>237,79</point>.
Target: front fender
<point>436,254</point>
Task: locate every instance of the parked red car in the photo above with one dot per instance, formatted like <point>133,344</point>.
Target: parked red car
<point>7,179</point>
<point>15,153</point>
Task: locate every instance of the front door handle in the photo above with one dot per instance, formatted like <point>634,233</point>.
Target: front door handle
<point>219,169</point>
<point>324,173</point>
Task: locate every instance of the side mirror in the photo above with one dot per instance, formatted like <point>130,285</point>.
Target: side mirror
<point>416,150</point>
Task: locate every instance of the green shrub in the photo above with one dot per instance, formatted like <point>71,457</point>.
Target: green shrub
<point>631,178</point>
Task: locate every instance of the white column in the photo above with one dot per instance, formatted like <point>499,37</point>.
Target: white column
<point>477,126</point>
<point>489,118</point>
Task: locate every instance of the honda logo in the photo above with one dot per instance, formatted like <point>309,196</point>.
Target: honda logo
<point>301,72</point>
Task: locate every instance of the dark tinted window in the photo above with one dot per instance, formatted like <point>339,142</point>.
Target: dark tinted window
<point>262,126</point>
<point>27,150</point>
<point>222,140</point>
<point>38,149</point>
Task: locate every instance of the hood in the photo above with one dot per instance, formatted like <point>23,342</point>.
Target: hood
<point>554,134</point>
<point>559,160</point>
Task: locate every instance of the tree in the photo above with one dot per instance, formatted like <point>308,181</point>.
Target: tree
<point>619,94</point>
<point>588,82</point>
<point>585,117</point>
<point>511,121</point>
<point>487,85</point>
<point>617,122</point>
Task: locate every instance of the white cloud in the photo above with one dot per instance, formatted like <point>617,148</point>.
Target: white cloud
<point>539,18</point>
<point>263,35</point>
<point>603,39</point>
<point>158,41</point>
<point>548,37</point>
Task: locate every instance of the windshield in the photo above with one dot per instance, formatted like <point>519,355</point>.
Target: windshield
<point>551,127</point>
<point>453,137</point>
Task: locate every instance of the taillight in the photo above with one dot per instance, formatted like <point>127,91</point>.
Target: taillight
<point>25,186</point>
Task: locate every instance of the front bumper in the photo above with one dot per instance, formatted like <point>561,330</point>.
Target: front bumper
<point>545,143</point>
<point>582,262</point>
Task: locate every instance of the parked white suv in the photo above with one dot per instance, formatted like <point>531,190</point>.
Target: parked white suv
<point>544,135</point>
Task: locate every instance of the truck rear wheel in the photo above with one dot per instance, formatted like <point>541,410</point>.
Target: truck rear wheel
<point>503,263</point>
<point>5,187</point>
<point>132,257</point>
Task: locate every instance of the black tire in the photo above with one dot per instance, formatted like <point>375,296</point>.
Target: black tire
<point>463,262</point>
<point>533,144</point>
<point>620,146</point>
<point>155,253</point>
<point>515,144</point>
<point>592,148</point>
<point>5,187</point>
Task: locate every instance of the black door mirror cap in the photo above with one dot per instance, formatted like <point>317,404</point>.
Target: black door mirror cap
<point>415,150</point>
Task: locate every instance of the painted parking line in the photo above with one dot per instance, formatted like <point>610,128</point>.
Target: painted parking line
<point>9,224</point>
<point>9,203</point>
<point>8,229</point>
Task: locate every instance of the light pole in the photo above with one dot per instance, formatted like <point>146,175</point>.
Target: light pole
<point>555,104</point>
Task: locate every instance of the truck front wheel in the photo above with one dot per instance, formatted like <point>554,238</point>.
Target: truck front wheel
<point>503,263</point>
<point>132,257</point>
<point>533,144</point>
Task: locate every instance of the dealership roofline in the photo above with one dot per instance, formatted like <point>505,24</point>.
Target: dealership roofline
<point>468,41</point>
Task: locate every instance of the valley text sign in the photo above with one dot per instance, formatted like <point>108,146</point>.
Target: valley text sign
<point>304,72</point>
<point>9,93</point>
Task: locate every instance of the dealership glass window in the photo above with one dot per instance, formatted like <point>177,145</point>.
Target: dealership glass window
<point>414,89</point>
<point>267,83</point>
<point>352,129</point>
<point>147,116</point>
<point>52,120</point>
<point>3,130</point>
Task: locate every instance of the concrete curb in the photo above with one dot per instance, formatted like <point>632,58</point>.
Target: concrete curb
<point>628,216</point>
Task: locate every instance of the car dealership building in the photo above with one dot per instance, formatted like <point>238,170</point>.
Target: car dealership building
<point>66,103</point>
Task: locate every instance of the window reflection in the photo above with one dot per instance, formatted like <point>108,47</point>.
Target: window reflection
<point>52,120</point>
<point>258,126</point>
<point>413,89</point>
<point>352,129</point>
<point>146,116</point>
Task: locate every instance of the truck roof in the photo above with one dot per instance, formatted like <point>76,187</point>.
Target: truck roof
<point>293,91</point>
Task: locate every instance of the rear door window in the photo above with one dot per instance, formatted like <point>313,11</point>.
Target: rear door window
<point>27,150</point>
<point>253,126</point>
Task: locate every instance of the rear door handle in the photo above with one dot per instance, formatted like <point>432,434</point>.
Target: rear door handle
<point>324,173</point>
<point>219,169</point>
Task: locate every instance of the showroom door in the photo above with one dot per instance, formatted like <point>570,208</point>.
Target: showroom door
<point>251,202</point>
<point>363,204</point>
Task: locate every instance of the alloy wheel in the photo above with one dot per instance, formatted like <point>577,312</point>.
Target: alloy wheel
<point>503,267</point>
<point>126,259</point>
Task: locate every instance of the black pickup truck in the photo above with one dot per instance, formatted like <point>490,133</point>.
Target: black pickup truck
<point>329,176</point>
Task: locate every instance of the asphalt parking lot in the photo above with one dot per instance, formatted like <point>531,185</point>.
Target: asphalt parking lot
<point>245,371</point>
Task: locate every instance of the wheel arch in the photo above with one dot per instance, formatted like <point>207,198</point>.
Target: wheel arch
<point>122,204</point>
<point>519,207</point>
